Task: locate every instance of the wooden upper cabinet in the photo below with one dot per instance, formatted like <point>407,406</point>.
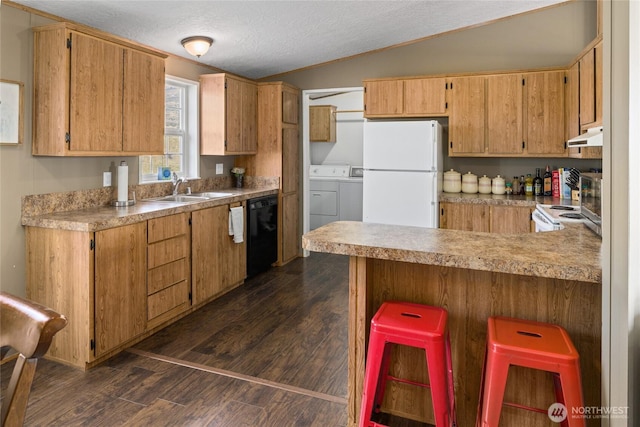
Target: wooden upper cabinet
<point>545,113</point>
<point>383,98</point>
<point>94,96</point>
<point>290,107</point>
<point>504,114</point>
<point>587,88</point>
<point>228,115</point>
<point>322,123</point>
<point>467,116</point>
<point>405,98</point>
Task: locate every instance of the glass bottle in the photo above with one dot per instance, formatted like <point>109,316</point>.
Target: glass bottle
<point>528,185</point>
<point>537,184</point>
<point>547,183</point>
<point>508,189</point>
<point>515,185</point>
<point>522,183</point>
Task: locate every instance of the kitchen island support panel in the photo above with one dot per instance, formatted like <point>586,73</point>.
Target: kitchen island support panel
<point>470,297</point>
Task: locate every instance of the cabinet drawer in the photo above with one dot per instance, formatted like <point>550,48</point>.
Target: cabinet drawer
<point>323,203</point>
<point>167,251</point>
<point>166,275</point>
<point>167,227</point>
<point>167,299</point>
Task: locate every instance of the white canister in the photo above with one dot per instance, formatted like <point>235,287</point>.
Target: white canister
<point>484,185</point>
<point>498,185</point>
<point>469,183</point>
<point>451,182</point>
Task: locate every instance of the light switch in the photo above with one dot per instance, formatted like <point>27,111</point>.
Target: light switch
<point>106,179</point>
<point>219,170</point>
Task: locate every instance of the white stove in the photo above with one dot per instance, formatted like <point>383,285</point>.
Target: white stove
<point>551,217</point>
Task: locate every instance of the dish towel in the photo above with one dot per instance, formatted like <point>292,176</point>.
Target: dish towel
<point>236,224</point>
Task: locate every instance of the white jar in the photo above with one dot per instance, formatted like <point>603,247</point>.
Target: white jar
<point>498,185</point>
<point>469,183</point>
<point>451,183</point>
<point>484,185</point>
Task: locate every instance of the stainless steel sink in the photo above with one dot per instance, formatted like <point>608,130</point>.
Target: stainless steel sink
<point>180,198</point>
<point>213,194</point>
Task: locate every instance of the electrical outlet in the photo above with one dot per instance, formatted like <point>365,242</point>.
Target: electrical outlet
<point>106,179</point>
<point>219,170</point>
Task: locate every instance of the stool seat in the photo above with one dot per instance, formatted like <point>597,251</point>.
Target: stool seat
<point>534,345</point>
<point>412,325</point>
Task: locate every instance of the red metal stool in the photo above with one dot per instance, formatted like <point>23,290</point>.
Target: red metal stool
<point>412,325</point>
<point>533,345</point>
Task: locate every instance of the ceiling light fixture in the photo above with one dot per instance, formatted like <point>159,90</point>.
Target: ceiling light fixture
<point>197,45</point>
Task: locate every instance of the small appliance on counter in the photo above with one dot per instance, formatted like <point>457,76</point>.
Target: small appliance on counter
<point>591,201</point>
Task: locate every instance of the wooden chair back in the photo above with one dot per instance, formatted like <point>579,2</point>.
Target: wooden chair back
<point>28,328</point>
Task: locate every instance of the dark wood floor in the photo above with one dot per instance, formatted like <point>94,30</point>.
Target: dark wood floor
<point>272,352</point>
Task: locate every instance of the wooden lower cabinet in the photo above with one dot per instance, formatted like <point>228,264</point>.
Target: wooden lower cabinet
<point>290,236</point>
<point>96,280</point>
<point>218,264</point>
<point>169,271</point>
<point>486,218</point>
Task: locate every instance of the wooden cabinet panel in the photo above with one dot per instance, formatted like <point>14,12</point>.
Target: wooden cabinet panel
<point>96,94</point>
<point>425,96</point>
<point>168,226</point>
<point>166,275</point>
<point>504,114</point>
<point>120,294</point>
<point>290,107</point>
<point>167,251</point>
<point>143,126</point>
<point>510,219</point>
<point>587,66</point>
<point>322,123</point>
<point>383,98</point>
<point>464,216</point>
<point>572,96</point>
<point>290,160</point>
<point>228,115</point>
<point>544,116</point>
<point>290,235</point>
<point>467,116</point>
<point>169,300</point>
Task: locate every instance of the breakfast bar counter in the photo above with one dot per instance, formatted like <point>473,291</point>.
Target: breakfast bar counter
<point>550,277</point>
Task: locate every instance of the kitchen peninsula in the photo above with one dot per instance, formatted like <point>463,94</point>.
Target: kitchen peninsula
<point>551,277</point>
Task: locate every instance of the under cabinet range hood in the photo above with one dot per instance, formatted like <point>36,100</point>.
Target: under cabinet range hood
<point>591,138</point>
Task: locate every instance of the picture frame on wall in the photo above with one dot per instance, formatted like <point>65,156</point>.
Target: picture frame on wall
<point>11,112</point>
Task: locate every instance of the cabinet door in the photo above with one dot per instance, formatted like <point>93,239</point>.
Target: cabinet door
<point>120,291</point>
<point>464,216</point>
<point>96,94</point>
<point>322,123</point>
<point>467,116</point>
<point>425,96</point>
<point>545,112</point>
<point>572,96</point>
<point>234,255</point>
<point>383,98</point>
<point>290,239</point>
<point>235,97</point>
<point>510,219</point>
<point>587,88</point>
<point>249,117</point>
<point>290,107</point>
<point>290,160</point>
<point>504,114</point>
<point>143,126</point>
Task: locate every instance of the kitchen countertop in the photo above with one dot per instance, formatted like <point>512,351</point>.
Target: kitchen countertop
<point>104,217</point>
<point>504,200</point>
<point>569,254</point>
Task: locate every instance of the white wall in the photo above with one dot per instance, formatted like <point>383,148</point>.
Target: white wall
<point>348,146</point>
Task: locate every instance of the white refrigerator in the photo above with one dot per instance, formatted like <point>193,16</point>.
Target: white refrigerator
<point>402,172</point>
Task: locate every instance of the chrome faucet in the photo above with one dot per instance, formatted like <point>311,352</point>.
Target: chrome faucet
<point>176,182</point>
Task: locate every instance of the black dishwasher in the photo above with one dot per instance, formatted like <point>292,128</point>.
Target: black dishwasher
<point>262,230</point>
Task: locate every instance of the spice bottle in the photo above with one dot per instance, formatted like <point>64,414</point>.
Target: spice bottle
<point>515,185</point>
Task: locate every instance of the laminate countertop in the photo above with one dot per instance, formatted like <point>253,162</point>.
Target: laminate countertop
<point>573,253</point>
<point>104,217</point>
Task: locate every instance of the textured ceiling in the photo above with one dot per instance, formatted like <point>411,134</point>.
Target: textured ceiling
<point>257,39</point>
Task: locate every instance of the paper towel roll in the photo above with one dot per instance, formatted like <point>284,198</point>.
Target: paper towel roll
<point>123,182</point>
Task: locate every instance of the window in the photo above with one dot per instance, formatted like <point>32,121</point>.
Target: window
<point>180,133</point>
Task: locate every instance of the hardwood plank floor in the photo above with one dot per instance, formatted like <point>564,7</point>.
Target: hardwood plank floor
<point>272,352</point>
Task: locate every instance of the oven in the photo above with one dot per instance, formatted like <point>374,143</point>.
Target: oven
<point>551,217</point>
<point>262,231</point>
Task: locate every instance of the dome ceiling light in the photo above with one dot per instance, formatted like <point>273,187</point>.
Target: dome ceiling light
<point>197,45</point>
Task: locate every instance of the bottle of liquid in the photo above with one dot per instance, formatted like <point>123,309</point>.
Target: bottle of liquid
<point>537,184</point>
<point>515,185</point>
<point>547,182</point>
<point>528,185</point>
<point>508,189</point>
<point>522,183</point>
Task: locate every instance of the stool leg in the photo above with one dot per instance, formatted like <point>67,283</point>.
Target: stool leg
<point>452,394</point>
<point>438,373</point>
<point>383,376</point>
<point>571,389</point>
<point>495,382</point>
<point>372,372</point>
